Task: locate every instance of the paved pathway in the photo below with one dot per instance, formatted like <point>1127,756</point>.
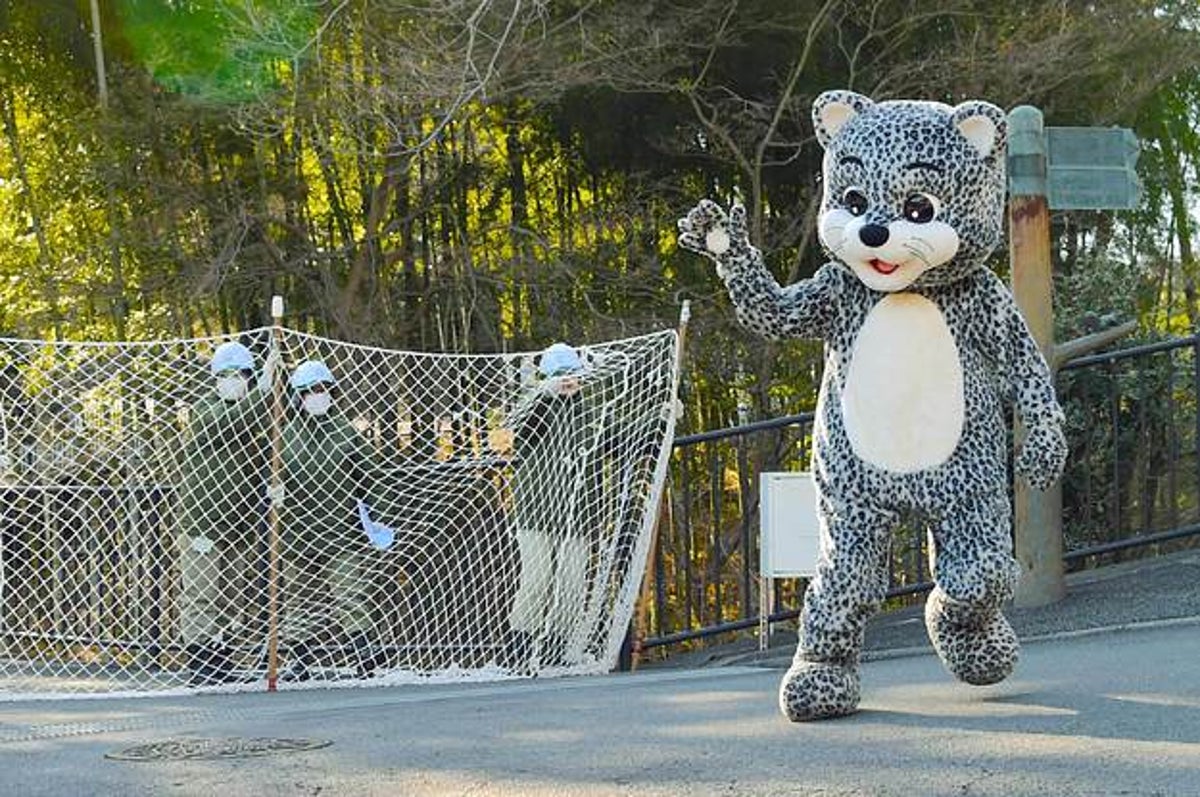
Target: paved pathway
<point>1104,714</point>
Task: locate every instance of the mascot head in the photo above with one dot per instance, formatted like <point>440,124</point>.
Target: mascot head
<point>914,191</point>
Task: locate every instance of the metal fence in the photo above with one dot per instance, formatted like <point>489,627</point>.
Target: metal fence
<point>1131,488</point>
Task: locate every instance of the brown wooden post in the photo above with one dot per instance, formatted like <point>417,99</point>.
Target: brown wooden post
<point>276,495</point>
<point>1038,520</point>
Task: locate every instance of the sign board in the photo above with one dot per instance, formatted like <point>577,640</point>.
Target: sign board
<point>789,543</point>
<point>1091,168</point>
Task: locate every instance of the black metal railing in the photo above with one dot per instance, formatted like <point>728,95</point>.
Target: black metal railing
<point>1132,483</point>
<point>1133,477</point>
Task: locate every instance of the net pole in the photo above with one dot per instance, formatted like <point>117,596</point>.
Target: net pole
<point>274,498</point>
<point>642,615</point>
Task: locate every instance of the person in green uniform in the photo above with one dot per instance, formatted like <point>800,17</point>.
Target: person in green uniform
<point>551,437</point>
<point>583,462</point>
<point>221,512</point>
<point>328,580</point>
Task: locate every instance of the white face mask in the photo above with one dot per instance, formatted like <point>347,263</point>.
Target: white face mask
<point>232,388</point>
<point>317,403</point>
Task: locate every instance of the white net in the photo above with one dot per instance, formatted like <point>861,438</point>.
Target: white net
<point>447,517</point>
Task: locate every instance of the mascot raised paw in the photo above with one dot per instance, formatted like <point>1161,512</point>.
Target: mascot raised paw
<point>924,346</point>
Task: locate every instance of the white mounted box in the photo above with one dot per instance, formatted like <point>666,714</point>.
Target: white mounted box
<point>790,542</point>
<point>789,537</point>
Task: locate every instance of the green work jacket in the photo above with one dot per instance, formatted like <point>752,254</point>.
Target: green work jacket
<point>223,471</point>
<point>327,468</point>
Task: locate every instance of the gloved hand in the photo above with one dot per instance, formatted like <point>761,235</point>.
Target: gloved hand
<point>382,537</point>
<point>271,366</point>
<point>723,239</point>
<point>1043,455</point>
<point>567,385</point>
<point>201,544</point>
<point>276,494</point>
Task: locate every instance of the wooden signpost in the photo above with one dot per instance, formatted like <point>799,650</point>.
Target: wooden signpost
<point>1055,168</point>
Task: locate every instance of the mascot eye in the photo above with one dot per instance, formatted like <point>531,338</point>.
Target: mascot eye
<point>855,202</point>
<point>920,208</point>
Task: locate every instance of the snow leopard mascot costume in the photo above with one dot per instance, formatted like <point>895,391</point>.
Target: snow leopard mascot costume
<point>923,346</point>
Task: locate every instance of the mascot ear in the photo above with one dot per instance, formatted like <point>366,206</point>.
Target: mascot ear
<point>833,109</point>
<point>984,125</point>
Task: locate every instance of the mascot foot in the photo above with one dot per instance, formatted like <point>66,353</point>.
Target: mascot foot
<point>814,690</point>
<point>977,648</point>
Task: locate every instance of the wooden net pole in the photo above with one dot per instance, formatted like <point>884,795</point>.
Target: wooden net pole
<point>642,614</point>
<point>275,495</point>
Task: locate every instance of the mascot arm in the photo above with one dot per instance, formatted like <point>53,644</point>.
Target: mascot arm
<point>801,310</point>
<point>1044,451</point>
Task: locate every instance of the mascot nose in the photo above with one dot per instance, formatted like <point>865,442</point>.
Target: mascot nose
<point>873,234</point>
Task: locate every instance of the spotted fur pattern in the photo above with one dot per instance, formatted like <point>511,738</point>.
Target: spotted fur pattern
<point>979,648</point>
<point>818,690</point>
<point>914,199</point>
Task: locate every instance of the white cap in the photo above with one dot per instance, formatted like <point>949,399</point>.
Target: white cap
<point>309,373</point>
<point>232,356</point>
<point>559,358</point>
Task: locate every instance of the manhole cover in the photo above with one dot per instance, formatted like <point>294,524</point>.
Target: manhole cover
<point>230,747</point>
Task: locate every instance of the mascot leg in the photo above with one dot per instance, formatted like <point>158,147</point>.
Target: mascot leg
<point>849,585</point>
<point>975,574</point>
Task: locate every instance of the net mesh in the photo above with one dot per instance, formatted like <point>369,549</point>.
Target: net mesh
<point>448,517</point>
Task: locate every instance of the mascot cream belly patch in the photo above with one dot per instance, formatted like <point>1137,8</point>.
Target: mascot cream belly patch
<point>903,401</point>
<point>924,347</point>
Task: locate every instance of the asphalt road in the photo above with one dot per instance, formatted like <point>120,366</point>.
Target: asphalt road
<point>1104,713</point>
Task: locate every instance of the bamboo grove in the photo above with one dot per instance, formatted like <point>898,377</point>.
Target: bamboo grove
<point>493,175</point>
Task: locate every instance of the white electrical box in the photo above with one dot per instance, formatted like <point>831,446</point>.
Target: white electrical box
<point>790,541</point>
<point>789,537</point>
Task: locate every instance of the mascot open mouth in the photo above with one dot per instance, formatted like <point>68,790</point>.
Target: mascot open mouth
<point>882,266</point>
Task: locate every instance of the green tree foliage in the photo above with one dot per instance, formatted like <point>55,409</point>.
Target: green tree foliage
<point>216,51</point>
